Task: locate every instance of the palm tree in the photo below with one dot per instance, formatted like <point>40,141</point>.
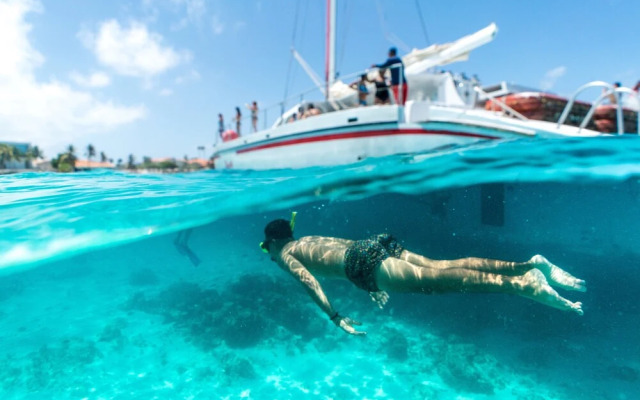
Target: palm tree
<point>70,156</point>
<point>91,152</point>
<point>131,164</point>
<point>103,157</point>
<point>65,163</point>
<point>34,153</point>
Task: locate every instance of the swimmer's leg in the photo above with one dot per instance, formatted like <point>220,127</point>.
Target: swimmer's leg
<point>536,287</point>
<point>398,275</point>
<point>554,274</point>
<point>557,276</point>
<point>182,245</point>
<point>195,260</point>
<point>177,242</point>
<point>471,263</point>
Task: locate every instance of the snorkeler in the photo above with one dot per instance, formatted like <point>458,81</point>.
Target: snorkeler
<point>381,264</point>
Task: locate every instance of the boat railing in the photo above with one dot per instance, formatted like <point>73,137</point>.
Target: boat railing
<point>281,107</point>
<point>499,102</point>
<point>265,112</point>
<point>609,90</point>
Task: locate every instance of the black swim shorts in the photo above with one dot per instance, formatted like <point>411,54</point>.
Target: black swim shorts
<point>364,256</point>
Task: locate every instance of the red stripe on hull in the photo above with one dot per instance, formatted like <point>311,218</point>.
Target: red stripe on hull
<point>363,134</point>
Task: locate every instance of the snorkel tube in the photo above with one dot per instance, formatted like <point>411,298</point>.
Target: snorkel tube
<point>292,224</point>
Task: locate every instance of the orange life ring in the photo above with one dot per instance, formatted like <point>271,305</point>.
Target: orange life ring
<point>229,134</point>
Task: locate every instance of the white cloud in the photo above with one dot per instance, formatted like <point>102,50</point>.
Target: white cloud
<point>95,80</point>
<point>552,76</point>
<point>217,26</point>
<point>133,50</point>
<point>46,113</point>
<point>196,9</point>
<point>17,55</point>
<point>165,92</point>
<point>192,75</point>
<point>190,12</point>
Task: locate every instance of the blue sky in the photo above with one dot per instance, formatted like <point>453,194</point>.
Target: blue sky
<point>148,77</point>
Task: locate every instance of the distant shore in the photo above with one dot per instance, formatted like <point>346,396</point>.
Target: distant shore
<point>133,171</point>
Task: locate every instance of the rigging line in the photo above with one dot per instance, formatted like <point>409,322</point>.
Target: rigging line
<point>387,35</point>
<point>303,20</point>
<point>293,42</point>
<point>424,26</point>
<point>343,43</point>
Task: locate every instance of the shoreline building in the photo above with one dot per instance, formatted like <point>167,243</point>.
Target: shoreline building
<point>21,162</point>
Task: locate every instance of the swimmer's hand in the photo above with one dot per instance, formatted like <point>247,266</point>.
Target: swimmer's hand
<point>380,298</point>
<point>346,324</point>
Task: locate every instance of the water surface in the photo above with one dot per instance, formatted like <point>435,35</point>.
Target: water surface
<point>96,302</point>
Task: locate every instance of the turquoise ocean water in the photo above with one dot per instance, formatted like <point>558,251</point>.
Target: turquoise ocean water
<point>97,302</point>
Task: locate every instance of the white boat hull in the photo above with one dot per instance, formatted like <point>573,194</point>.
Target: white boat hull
<point>348,136</point>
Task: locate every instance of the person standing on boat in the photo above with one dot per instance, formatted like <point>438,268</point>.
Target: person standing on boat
<point>380,264</point>
<point>613,97</point>
<point>363,91</point>
<point>238,119</point>
<point>382,88</point>
<point>220,125</point>
<point>399,85</point>
<point>254,115</point>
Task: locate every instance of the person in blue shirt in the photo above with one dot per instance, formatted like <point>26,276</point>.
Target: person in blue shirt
<point>398,81</point>
<point>363,91</point>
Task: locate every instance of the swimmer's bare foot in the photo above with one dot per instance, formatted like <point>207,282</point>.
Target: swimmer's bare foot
<point>537,288</point>
<point>557,276</point>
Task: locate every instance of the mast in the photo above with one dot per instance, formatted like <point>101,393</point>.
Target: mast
<point>330,46</point>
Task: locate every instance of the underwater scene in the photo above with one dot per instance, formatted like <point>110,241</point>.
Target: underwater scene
<point>125,286</point>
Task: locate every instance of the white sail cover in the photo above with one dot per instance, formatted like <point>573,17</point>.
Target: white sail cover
<point>420,60</point>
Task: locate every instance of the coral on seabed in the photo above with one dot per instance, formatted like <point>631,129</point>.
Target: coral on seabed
<point>466,369</point>
<point>394,344</point>
<point>236,367</point>
<point>243,314</point>
<point>112,333</point>
<point>53,367</point>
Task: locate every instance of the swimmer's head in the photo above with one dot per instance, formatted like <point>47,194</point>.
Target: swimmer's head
<point>275,230</point>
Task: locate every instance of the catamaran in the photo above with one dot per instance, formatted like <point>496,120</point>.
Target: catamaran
<point>442,110</point>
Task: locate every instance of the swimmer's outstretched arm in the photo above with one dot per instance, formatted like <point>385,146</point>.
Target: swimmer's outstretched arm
<point>314,289</point>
